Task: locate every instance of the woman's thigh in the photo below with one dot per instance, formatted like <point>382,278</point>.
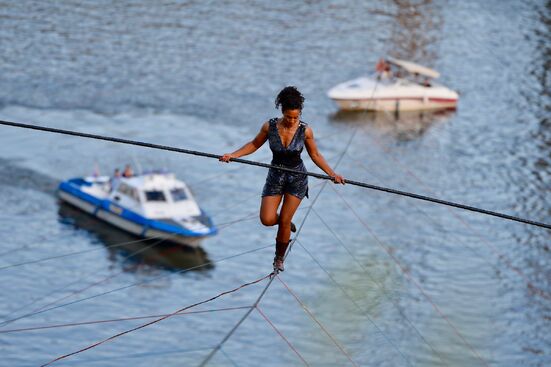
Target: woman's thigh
<point>268,209</point>
<point>289,207</point>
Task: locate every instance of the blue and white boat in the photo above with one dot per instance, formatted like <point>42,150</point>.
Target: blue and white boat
<point>153,206</point>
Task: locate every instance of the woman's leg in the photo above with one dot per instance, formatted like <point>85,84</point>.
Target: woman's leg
<point>288,209</point>
<point>268,210</point>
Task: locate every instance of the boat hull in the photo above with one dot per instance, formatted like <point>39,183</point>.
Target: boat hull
<point>374,94</point>
<point>134,228</point>
<point>395,104</point>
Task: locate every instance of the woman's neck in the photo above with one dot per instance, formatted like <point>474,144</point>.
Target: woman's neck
<point>286,124</point>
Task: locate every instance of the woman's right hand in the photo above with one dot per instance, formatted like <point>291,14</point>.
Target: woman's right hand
<point>338,179</point>
<point>226,158</point>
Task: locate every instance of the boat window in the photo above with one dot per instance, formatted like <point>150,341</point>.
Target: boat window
<point>124,189</point>
<point>178,194</point>
<point>353,85</point>
<point>128,191</point>
<point>155,196</point>
<point>134,194</point>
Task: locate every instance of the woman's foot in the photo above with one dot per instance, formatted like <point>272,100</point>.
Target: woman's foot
<point>278,264</point>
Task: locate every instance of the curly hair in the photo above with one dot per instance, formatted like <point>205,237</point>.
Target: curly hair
<point>289,99</point>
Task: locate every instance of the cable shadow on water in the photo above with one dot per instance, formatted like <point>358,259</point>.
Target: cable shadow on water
<point>403,125</point>
<point>166,255</point>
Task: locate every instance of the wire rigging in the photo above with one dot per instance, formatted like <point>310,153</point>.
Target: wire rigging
<point>281,335</point>
<point>162,276</point>
<point>309,313</point>
<point>259,164</point>
<point>155,321</point>
<point>379,284</point>
<point>417,285</point>
<point>93,322</point>
<point>363,312</point>
<point>255,306</point>
<point>498,254</point>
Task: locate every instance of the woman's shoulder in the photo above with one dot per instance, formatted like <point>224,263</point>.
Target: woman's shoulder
<point>267,124</point>
<point>308,132</point>
<point>271,122</point>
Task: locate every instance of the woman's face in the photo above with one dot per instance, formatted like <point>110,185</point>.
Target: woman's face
<point>291,117</point>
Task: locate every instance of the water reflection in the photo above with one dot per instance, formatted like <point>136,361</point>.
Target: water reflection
<point>404,126</point>
<point>415,30</point>
<point>161,254</point>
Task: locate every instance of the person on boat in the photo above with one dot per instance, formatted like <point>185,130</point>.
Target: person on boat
<point>127,171</point>
<point>287,136</point>
<point>114,181</point>
<point>383,69</point>
<point>427,83</point>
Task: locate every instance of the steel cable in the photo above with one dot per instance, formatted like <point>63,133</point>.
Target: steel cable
<point>265,165</point>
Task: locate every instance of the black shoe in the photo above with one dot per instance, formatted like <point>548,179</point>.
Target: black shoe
<point>278,264</point>
<point>293,227</point>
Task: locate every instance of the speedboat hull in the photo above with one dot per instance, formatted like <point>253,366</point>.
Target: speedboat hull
<point>371,94</point>
<point>396,104</point>
<point>130,221</point>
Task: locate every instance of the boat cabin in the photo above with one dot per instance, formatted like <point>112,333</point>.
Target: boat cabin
<point>154,195</point>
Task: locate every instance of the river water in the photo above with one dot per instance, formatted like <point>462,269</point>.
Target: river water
<point>395,281</point>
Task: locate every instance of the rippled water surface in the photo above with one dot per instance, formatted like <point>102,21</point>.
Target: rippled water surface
<point>396,282</point>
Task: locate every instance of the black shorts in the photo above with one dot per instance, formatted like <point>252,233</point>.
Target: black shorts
<point>282,182</point>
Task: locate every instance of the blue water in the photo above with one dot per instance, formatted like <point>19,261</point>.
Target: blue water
<point>203,76</point>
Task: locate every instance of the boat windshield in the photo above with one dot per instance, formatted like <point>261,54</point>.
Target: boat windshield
<point>155,196</point>
<point>178,194</point>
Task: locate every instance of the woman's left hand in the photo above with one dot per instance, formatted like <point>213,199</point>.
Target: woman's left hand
<point>338,179</point>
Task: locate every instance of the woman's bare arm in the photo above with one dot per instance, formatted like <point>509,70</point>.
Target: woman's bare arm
<point>249,147</point>
<point>318,159</point>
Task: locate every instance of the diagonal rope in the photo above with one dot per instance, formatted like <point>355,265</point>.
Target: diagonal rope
<point>492,247</point>
<point>143,355</point>
<point>417,285</point>
<point>93,322</point>
<point>228,357</point>
<point>82,252</point>
<point>155,321</point>
<point>281,335</point>
<point>363,312</point>
<point>380,286</point>
<point>79,291</point>
<point>162,276</point>
<point>264,165</point>
<point>309,313</point>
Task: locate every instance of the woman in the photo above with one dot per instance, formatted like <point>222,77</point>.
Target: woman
<point>287,136</point>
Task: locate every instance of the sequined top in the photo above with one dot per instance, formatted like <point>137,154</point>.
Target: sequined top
<point>286,156</point>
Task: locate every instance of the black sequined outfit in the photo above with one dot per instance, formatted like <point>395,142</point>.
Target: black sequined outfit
<point>280,182</point>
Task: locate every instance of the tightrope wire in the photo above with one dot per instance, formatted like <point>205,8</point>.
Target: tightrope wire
<point>259,164</point>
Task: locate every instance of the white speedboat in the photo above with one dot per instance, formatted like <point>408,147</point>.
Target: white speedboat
<point>153,206</point>
<point>398,85</point>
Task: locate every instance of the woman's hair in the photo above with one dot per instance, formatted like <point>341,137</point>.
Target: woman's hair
<point>289,99</point>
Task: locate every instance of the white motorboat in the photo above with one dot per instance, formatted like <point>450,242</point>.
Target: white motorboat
<point>152,206</point>
<point>397,85</point>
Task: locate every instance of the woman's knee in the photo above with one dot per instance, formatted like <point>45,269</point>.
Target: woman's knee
<point>268,220</point>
